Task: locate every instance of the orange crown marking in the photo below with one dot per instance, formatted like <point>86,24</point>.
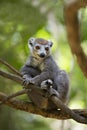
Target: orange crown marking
<point>41,41</point>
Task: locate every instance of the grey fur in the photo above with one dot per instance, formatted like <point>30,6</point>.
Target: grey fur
<point>37,69</point>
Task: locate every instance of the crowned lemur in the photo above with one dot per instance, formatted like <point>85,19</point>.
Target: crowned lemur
<point>40,67</point>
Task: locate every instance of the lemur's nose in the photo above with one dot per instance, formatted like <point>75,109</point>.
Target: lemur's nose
<point>42,55</point>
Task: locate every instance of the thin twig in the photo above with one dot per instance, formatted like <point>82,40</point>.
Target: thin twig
<point>11,76</point>
<point>10,67</point>
<point>21,92</point>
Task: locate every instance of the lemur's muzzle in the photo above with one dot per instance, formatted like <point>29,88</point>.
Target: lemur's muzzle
<point>42,55</point>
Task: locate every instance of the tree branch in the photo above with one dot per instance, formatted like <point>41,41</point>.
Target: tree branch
<point>11,77</point>
<point>73,31</point>
<point>72,114</point>
<point>31,108</point>
<point>10,67</point>
<point>64,112</point>
<point>21,92</point>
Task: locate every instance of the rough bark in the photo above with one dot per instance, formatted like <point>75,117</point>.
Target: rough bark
<point>31,108</point>
<point>73,31</point>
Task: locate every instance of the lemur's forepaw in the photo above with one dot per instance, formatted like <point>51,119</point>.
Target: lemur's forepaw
<point>26,81</point>
<point>46,84</point>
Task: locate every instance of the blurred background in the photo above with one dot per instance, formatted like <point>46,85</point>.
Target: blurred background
<point>20,20</point>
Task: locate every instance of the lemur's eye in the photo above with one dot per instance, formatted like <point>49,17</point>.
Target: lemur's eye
<point>37,47</point>
<point>47,48</point>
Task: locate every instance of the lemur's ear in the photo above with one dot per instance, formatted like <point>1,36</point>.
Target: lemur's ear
<point>50,43</point>
<point>31,41</point>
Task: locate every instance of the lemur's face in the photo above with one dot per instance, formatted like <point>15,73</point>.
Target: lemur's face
<point>40,48</point>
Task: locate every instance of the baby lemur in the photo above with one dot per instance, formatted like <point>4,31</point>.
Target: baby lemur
<point>40,67</point>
